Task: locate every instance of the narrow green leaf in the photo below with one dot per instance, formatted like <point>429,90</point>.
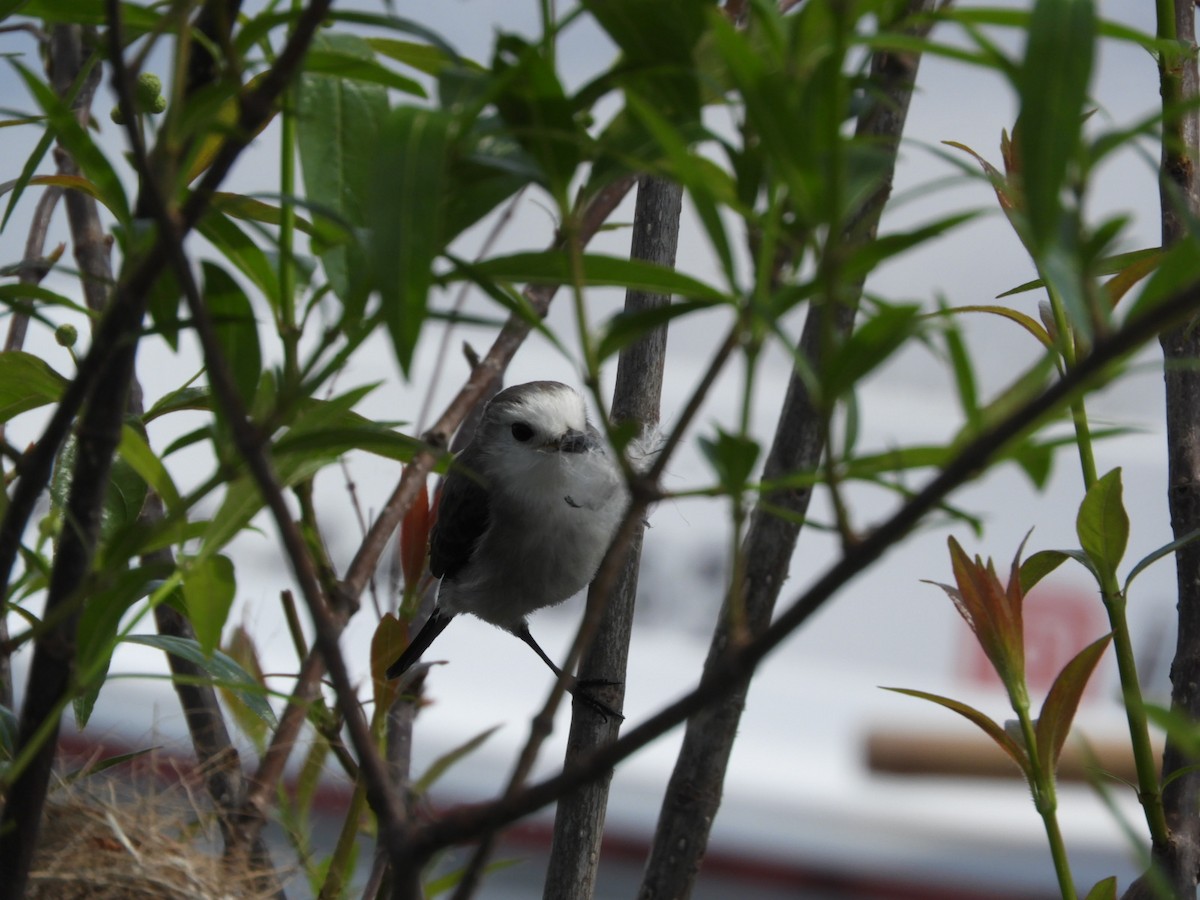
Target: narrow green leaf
<point>865,349</point>
<point>1058,712</point>
<point>236,329</point>
<point>336,441</point>
<point>103,765</point>
<point>405,214</point>
<point>626,328</point>
<point>338,136</point>
<point>1038,565</point>
<point>1030,324</point>
<point>137,453</point>
<point>537,112</point>
<point>223,670</point>
<point>237,247</point>
<point>75,138</point>
<point>1015,752</point>
<point>1165,550</point>
<point>598,271</point>
<point>209,586</point>
<point>1053,85</point>
<point>96,634</point>
<point>359,68</point>
<point>8,732</point>
<point>1103,524</point>
<point>438,767</point>
<point>732,457</point>
<point>26,382</point>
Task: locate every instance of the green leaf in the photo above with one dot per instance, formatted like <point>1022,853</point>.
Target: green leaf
<point>236,329</point>
<point>439,766</point>
<point>1178,269</point>
<point>110,762</point>
<point>552,267</point>
<point>224,671</point>
<point>1103,524</point>
<point>8,732</point>
<point>338,134</point>
<point>405,217</point>
<point>626,328</point>
<point>1058,712</point>
<point>26,383</point>
<point>352,65</point>
<point>865,349</point>
<point>1030,324</point>
<point>1038,565</point>
<point>1015,752</point>
<point>732,457</point>
<point>96,634</point>
<point>533,105</point>
<point>1053,86</point>
<point>245,255</point>
<point>137,453</point>
<point>78,142</point>
<point>423,57</point>
<point>1105,889</point>
<point>1165,550</point>
<point>209,586</point>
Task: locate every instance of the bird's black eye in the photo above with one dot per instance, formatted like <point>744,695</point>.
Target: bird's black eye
<point>521,431</point>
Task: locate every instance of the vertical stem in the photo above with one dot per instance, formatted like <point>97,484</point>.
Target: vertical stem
<point>1178,855</point>
<point>579,819</point>
<point>288,331</point>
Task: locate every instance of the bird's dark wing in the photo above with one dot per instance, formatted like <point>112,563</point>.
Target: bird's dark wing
<point>462,516</point>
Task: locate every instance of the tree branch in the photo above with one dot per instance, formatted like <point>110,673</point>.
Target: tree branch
<point>1179,860</point>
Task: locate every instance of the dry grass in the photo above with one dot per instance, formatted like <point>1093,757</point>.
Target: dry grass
<point>109,841</point>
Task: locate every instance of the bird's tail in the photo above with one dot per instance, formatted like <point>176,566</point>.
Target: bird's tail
<point>434,625</point>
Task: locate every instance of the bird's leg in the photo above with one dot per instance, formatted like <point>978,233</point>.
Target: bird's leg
<point>434,625</point>
<point>576,688</point>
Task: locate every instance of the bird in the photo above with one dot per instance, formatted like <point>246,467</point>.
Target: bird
<point>527,511</point>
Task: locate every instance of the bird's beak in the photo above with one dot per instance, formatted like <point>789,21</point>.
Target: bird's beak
<point>571,442</point>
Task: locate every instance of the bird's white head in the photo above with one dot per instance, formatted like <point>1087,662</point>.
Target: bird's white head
<point>541,416</point>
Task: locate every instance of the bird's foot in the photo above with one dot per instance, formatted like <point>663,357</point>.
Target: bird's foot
<point>582,690</point>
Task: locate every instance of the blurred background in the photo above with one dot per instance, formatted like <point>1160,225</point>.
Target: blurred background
<point>836,788</point>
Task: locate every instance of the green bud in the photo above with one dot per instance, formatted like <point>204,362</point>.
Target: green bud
<point>66,335</point>
<point>148,90</point>
<point>116,115</point>
<point>160,104</point>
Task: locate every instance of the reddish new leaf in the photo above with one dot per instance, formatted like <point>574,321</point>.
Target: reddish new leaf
<point>414,540</point>
<point>1058,711</point>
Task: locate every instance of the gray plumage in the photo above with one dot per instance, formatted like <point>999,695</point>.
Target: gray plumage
<point>526,514</point>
